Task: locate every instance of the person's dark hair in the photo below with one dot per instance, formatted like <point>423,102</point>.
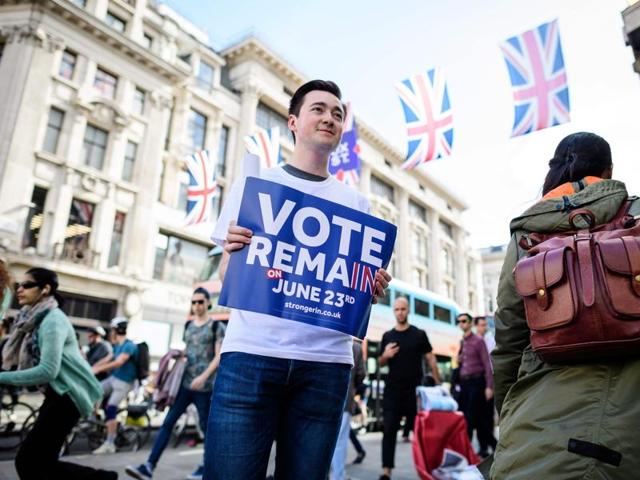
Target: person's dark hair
<point>206,294</point>
<point>298,97</point>
<point>203,291</point>
<point>5,279</point>
<point>42,277</point>
<point>477,319</point>
<point>577,156</point>
<point>466,315</point>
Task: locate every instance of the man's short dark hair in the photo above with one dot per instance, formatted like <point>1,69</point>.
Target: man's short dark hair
<point>467,315</point>
<point>202,291</point>
<point>298,97</point>
<point>477,319</point>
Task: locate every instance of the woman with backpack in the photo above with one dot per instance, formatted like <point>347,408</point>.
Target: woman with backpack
<point>44,349</point>
<point>567,416</point>
<point>203,338</point>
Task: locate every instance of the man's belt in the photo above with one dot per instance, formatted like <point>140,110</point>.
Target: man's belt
<point>472,376</point>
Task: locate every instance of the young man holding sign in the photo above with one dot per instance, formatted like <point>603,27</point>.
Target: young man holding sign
<point>280,379</point>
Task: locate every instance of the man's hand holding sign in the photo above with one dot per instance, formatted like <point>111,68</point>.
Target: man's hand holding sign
<point>307,259</point>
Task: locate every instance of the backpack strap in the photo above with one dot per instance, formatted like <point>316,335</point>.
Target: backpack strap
<point>624,208</point>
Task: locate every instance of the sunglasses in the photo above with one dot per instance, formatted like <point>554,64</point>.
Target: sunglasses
<point>462,321</point>
<point>197,302</point>
<point>26,285</point>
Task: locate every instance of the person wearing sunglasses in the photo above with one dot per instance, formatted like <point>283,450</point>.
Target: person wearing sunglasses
<point>203,339</point>
<point>44,349</point>
<point>476,385</point>
<point>5,289</point>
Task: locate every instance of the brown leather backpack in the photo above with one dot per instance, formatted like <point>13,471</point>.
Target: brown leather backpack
<point>581,289</point>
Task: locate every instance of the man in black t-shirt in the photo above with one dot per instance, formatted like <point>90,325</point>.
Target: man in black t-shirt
<point>402,348</point>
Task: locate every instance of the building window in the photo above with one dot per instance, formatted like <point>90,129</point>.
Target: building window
<point>178,260</point>
<point>382,189</point>
<point>139,97</point>
<point>116,239</point>
<point>147,41</point>
<point>80,3</point>
<point>446,258</point>
<point>34,218</point>
<point>222,151</point>
<point>115,22</point>
<point>105,83</point>
<point>81,306</point>
<point>54,127</point>
<point>78,231</point>
<point>197,129</point>
<point>94,146</point>
<point>67,64</point>
<point>130,154</point>
<point>446,229</point>
<point>417,212</point>
<point>2,44</point>
<point>267,118</point>
<point>205,76</point>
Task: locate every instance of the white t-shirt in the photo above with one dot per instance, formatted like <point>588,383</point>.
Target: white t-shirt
<point>261,334</point>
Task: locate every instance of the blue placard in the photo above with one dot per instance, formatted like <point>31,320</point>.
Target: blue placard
<point>310,260</point>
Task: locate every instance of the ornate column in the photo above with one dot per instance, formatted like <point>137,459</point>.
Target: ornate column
<point>249,97</point>
<point>435,268</point>
<point>25,74</point>
<point>139,239</point>
<point>462,277</point>
<point>404,238</point>
<point>57,209</point>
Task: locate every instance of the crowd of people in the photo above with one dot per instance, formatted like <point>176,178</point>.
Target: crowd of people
<point>298,385</point>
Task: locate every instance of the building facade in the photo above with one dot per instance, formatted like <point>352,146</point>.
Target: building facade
<point>631,18</point>
<point>103,101</point>
<point>492,260</point>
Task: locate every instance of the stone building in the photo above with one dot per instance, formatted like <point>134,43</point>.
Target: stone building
<point>103,100</point>
<point>631,18</point>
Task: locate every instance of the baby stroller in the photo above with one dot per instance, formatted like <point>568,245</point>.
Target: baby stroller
<point>441,447</point>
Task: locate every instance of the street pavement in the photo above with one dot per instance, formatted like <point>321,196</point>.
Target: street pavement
<point>177,463</point>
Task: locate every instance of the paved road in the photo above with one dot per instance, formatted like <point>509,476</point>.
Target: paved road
<point>177,463</point>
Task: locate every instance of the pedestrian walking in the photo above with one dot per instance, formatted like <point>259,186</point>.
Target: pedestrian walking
<point>566,419</point>
<point>476,385</point>
<point>339,459</point>
<point>282,379</point>
<point>5,289</point>
<point>203,339</point>
<point>100,351</point>
<point>482,330</point>
<point>402,349</point>
<point>44,349</point>
<point>123,373</point>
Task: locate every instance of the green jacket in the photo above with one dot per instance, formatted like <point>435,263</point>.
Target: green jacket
<point>542,406</point>
<point>61,364</point>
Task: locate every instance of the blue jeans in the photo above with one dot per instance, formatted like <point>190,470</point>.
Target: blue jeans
<point>186,396</point>
<point>260,399</point>
<point>340,454</point>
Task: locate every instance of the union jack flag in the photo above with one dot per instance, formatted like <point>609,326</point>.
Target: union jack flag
<point>266,145</point>
<point>202,187</point>
<point>427,113</point>
<point>538,78</point>
<point>344,162</point>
